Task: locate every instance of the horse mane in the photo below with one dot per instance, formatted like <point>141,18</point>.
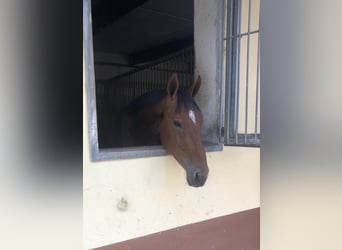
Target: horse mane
<point>148,99</point>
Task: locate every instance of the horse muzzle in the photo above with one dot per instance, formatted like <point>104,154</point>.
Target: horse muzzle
<point>196,178</point>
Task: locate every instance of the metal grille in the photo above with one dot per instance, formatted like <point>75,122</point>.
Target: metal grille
<point>114,94</point>
<point>242,73</point>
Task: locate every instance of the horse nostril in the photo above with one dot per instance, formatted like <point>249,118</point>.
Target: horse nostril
<point>199,178</point>
<point>197,175</point>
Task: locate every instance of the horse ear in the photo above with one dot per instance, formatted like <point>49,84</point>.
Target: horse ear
<point>172,86</point>
<point>195,87</point>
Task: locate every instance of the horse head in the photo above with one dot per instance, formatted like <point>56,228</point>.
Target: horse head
<point>180,130</point>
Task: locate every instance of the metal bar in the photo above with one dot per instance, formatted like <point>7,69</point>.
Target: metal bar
<point>190,69</point>
<point>134,86</point>
<point>247,69</point>
<point>145,83</point>
<point>192,59</point>
<point>234,71</point>
<point>237,68</point>
<point>229,67</point>
<point>150,86</point>
<point>158,61</point>
<point>252,140</point>
<point>257,89</point>
<point>161,79</point>
<point>115,64</point>
<point>183,69</point>
<point>153,76</point>
<point>90,78</point>
<point>165,77</point>
<point>220,71</point>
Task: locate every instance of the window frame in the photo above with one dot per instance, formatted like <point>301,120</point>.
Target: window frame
<point>98,154</point>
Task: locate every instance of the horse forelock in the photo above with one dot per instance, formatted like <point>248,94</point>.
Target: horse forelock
<point>184,99</point>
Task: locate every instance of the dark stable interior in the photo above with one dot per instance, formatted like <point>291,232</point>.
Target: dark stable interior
<point>137,45</point>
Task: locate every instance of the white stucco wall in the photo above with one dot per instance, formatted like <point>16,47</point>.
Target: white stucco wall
<point>158,197</point>
<point>129,198</point>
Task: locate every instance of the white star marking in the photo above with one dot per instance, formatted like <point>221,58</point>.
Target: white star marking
<point>192,116</point>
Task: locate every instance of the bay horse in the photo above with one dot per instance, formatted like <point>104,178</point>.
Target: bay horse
<point>172,118</point>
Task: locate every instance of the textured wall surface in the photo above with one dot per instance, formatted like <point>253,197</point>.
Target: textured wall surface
<point>207,43</point>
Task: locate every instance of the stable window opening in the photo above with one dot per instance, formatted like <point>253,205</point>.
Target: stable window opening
<point>133,47</point>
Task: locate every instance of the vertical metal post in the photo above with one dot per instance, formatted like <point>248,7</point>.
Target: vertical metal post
<point>257,90</point>
<point>191,69</point>
<point>237,72</point>
<point>89,72</point>
<point>145,85</point>
<point>229,67</point>
<point>153,77</point>
<point>188,70</point>
<point>149,79</point>
<point>247,68</point>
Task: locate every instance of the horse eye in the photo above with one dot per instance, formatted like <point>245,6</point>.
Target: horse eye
<point>177,124</point>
